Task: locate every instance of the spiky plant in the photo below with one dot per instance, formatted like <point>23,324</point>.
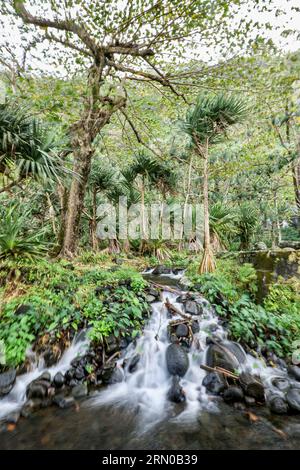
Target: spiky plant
<point>222,225</point>
<point>206,124</point>
<point>247,220</point>
<point>17,241</point>
<point>27,148</point>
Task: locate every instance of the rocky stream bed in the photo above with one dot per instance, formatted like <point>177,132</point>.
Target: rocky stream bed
<point>181,385</point>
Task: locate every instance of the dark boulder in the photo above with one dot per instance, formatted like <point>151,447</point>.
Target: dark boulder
<point>233,394</point>
<point>293,398</point>
<point>133,363</point>
<point>195,326</point>
<point>37,389</point>
<point>51,357</point>
<point>277,404</point>
<point>117,376</point>
<point>161,269</point>
<point>281,383</point>
<point>7,380</point>
<point>79,373</point>
<point>64,402</point>
<point>294,371</point>
<point>237,350</point>
<point>214,383</point>
<point>58,380</point>
<point>192,307</point>
<point>252,386</point>
<point>80,391</point>
<point>176,393</point>
<point>177,360</point>
<point>218,355</point>
<point>182,330</point>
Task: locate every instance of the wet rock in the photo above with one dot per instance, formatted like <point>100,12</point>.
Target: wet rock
<point>7,380</point>
<point>64,402</point>
<point>250,401</point>
<point>132,366</point>
<point>240,406</point>
<point>69,375</point>
<point>79,373</point>
<point>111,344</point>
<point>177,360</point>
<point>37,389</point>
<point>51,357</point>
<point>116,377</point>
<point>59,380</point>
<point>182,330</point>
<point>182,298</point>
<point>219,356</point>
<point>176,393</point>
<point>173,338</point>
<point>277,404</point>
<point>123,343</point>
<point>214,383</point>
<point>195,326</point>
<point>80,391</point>
<point>45,376</point>
<point>161,269</point>
<point>106,373</point>
<point>281,383</point>
<point>293,398</point>
<point>150,298</point>
<point>294,371</point>
<point>192,307</point>
<point>252,386</point>
<point>233,394</point>
<point>73,383</point>
<point>237,350</point>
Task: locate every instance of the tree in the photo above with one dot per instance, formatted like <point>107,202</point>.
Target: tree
<point>110,44</point>
<point>206,123</point>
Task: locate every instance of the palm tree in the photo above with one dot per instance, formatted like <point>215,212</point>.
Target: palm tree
<point>27,149</point>
<point>103,180</point>
<point>206,123</point>
<point>247,220</point>
<point>144,170</point>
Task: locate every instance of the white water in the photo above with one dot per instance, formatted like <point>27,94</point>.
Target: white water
<point>146,388</point>
<point>17,397</point>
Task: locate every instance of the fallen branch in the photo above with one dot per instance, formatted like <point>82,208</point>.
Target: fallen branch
<point>166,288</point>
<point>175,311</point>
<point>220,370</point>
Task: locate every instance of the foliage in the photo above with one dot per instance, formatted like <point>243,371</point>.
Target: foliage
<point>62,297</point>
<point>15,240</point>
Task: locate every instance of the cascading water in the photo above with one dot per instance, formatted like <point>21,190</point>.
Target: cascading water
<point>17,397</point>
<point>146,387</point>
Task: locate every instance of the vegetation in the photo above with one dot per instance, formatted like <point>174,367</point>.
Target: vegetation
<point>104,101</point>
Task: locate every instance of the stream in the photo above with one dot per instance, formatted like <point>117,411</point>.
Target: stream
<point>136,413</point>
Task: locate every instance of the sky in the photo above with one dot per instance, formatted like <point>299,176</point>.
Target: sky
<point>209,54</point>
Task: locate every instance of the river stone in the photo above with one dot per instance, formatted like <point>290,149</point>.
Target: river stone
<point>214,383</point>
<point>177,360</point>
<point>80,391</point>
<point>237,350</point>
<point>281,383</point>
<point>293,398</point>
<point>59,380</point>
<point>161,269</point>
<point>277,405</point>
<point>250,401</point>
<point>182,330</point>
<point>233,394</point>
<point>116,377</point>
<point>195,326</point>
<point>294,371</point>
<point>132,366</point>
<point>176,393</point>
<point>7,380</point>
<point>13,417</point>
<point>64,402</point>
<point>192,307</point>
<point>150,298</point>
<point>45,376</point>
<point>79,373</point>
<point>220,356</point>
<point>37,390</point>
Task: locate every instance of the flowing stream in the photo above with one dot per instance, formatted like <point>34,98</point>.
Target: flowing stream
<point>136,412</point>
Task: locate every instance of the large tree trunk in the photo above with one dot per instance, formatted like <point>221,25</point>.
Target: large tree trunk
<point>208,262</point>
<point>82,145</point>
